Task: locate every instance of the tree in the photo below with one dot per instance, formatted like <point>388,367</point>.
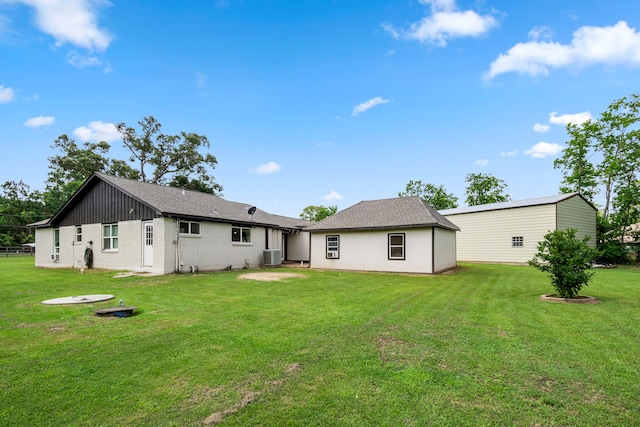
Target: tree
<point>566,259</point>
<point>174,159</point>
<point>484,188</point>
<point>437,197</point>
<point>614,141</point>
<point>68,170</point>
<point>18,206</point>
<point>318,213</point>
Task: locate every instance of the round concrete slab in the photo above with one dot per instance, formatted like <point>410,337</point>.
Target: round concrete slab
<point>81,299</point>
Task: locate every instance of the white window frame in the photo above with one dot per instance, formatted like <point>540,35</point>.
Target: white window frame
<point>240,235</point>
<point>332,246</point>
<point>392,246</point>
<point>112,237</point>
<point>192,228</point>
<point>78,233</point>
<point>517,242</point>
<point>56,243</point>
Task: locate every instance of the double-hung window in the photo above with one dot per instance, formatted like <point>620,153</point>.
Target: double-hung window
<point>188,227</point>
<point>78,234</point>
<point>333,247</point>
<point>110,237</point>
<point>240,234</point>
<point>396,246</point>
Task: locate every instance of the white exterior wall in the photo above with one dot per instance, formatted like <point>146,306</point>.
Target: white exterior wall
<point>213,249</point>
<point>486,236</point>
<point>368,251</point>
<point>577,213</point>
<point>445,254</point>
<point>298,246</point>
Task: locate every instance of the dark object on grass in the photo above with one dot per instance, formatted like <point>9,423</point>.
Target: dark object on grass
<point>115,311</point>
<point>88,258</point>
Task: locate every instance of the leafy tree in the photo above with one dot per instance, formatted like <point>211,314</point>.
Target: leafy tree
<point>174,159</point>
<point>68,170</point>
<point>484,188</point>
<point>613,141</point>
<point>435,196</point>
<point>566,259</point>
<point>18,206</point>
<point>318,213</point>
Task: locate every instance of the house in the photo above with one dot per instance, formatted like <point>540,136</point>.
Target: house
<point>117,223</point>
<point>393,235</point>
<point>509,232</point>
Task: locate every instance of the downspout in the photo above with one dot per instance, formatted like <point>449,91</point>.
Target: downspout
<point>177,266</point>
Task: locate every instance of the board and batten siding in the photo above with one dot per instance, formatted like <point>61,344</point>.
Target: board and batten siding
<point>487,236</point>
<point>577,213</point>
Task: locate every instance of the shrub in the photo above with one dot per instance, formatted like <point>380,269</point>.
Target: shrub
<point>566,259</point>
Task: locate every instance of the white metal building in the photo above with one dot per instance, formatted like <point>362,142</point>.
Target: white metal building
<point>509,232</point>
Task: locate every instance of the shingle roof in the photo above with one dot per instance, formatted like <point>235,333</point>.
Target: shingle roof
<point>398,212</point>
<point>512,204</point>
<point>174,201</point>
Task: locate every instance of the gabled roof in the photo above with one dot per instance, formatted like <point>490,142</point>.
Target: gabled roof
<point>399,212</point>
<point>177,202</point>
<point>539,201</point>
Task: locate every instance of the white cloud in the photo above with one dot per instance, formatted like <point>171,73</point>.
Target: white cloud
<point>482,162</point>
<point>509,153</point>
<point>36,122</point>
<point>541,128</point>
<point>82,61</point>
<point>445,22</point>
<point>361,108</point>
<point>544,149</point>
<point>617,44</point>
<point>332,197</point>
<point>7,94</point>
<point>565,119</point>
<point>540,33</point>
<point>97,131</point>
<point>71,21</point>
<point>267,168</point>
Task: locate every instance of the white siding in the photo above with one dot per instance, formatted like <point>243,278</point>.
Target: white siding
<point>577,213</point>
<point>445,253</point>
<point>368,251</point>
<point>298,246</point>
<point>486,236</point>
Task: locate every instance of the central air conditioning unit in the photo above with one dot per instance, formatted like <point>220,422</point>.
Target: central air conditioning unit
<point>272,257</point>
<point>332,254</point>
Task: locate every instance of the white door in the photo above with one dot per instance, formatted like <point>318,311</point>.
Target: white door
<point>147,244</point>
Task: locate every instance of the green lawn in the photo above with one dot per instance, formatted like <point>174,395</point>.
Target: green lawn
<point>476,347</point>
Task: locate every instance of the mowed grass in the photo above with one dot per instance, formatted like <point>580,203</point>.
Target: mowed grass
<point>473,347</point>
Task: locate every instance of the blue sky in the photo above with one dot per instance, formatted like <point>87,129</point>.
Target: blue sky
<point>318,103</point>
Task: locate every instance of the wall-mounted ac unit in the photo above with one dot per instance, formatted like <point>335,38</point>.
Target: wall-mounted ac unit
<point>332,254</point>
<point>272,257</point>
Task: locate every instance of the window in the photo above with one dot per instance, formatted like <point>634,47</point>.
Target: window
<point>333,246</point>
<point>78,234</point>
<point>241,234</point>
<point>56,242</point>
<point>110,237</point>
<point>187,227</point>
<point>396,246</point>
<point>517,242</point>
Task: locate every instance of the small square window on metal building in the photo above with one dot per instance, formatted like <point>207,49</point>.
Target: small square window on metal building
<point>517,242</point>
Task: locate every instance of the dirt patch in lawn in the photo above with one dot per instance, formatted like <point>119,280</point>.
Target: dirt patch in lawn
<point>270,276</point>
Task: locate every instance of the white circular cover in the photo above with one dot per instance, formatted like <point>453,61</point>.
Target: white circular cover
<point>81,299</point>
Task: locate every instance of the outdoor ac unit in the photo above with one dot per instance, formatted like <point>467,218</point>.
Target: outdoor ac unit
<point>332,254</point>
<point>272,257</point>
